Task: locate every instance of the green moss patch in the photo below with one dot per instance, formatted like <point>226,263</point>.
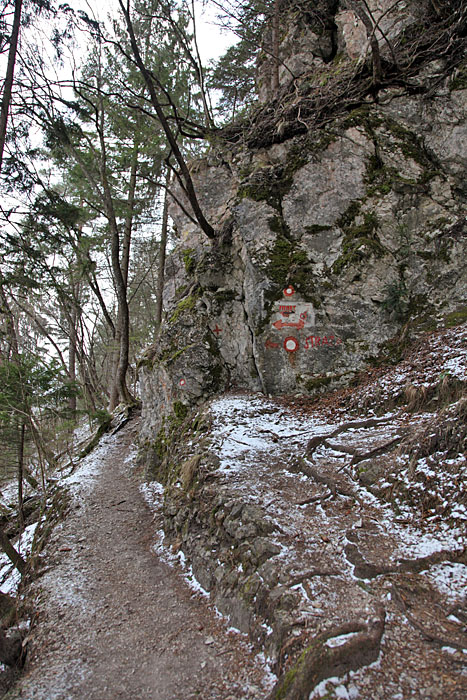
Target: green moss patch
<point>187,304</point>
<point>459,82</point>
<point>456,318</point>
<point>317,383</point>
<point>188,260</point>
<point>360,240</point>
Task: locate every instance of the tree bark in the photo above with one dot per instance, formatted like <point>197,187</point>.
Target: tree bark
<point>21,475</point>
<point>275,48</point>
<point>10,71</point>
<point>14,556</point>
<point>72,343</point>
<point>120,389</point>
<point>370,32</point>
<point>162,252</point>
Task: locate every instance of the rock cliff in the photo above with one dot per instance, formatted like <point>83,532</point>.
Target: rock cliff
<point>339,207</point>
<point>340,218</point>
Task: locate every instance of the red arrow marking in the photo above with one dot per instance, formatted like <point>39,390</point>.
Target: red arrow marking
<point>285,324</point>
<point>217,330</point>
<point>270,344</point>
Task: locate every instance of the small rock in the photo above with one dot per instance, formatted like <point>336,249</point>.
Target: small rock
<point>209,640</point>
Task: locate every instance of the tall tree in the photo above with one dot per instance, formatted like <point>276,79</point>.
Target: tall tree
<point>10,70</point>
<point>156,90</point>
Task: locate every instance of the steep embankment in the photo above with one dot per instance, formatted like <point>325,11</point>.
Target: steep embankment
<point>334,533</point>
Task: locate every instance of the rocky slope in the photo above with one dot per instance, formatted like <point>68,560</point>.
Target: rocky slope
<point>333,533</point>
<point>340,218</point>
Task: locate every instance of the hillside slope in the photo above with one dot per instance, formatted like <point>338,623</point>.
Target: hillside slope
<point>340,218</point>
<point>334,532</point>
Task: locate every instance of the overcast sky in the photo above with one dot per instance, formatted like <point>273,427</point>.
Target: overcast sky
<point>212,42</point>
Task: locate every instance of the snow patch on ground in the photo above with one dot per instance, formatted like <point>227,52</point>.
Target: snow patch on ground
<point>450,579</point>
<point>81,481</point>
<point>334,687</point>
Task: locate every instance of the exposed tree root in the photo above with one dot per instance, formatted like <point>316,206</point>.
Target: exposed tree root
<point>319,660</point>
<point>376,451</point>
<point>309,574</point>
<point>327,480</point>
<point>320,439</point>
<point>430,636</point>
<point>367,570</point>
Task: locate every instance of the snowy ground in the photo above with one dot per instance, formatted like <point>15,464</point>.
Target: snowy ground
<point>368,516</point>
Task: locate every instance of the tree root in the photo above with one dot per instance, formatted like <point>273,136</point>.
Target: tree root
<point>367,570</point>
<point>430,636</point>
<point>319,439</point>
<point>325,479</point>
<point>319,660</point>
<point>309,574</point>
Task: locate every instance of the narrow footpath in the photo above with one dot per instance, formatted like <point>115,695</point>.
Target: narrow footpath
<point>115,622</point>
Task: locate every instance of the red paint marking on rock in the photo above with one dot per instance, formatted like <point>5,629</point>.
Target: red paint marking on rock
<point>291,344</point>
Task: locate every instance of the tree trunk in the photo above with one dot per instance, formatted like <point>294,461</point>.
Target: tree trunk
<point>162,252</point>
<point>14,556</point>
<point>10,71</point>
<point>72,341</point>
<point>122,334</point>
<point>370,32</point>
<point>21,475</point>
<point>275,48</point>
<point>114,392</point>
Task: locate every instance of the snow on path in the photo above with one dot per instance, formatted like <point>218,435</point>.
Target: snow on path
<point>115,621</point>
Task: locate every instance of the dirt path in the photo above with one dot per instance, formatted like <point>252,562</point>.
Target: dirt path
<point>116,622</point>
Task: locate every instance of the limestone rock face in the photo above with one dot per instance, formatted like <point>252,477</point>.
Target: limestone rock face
<point>330,243</point>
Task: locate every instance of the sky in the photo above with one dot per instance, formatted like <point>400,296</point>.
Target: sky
<point>212,42</point>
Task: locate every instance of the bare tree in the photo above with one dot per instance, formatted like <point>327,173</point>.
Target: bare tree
<point>10,70</point>
<point>155,88</point>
